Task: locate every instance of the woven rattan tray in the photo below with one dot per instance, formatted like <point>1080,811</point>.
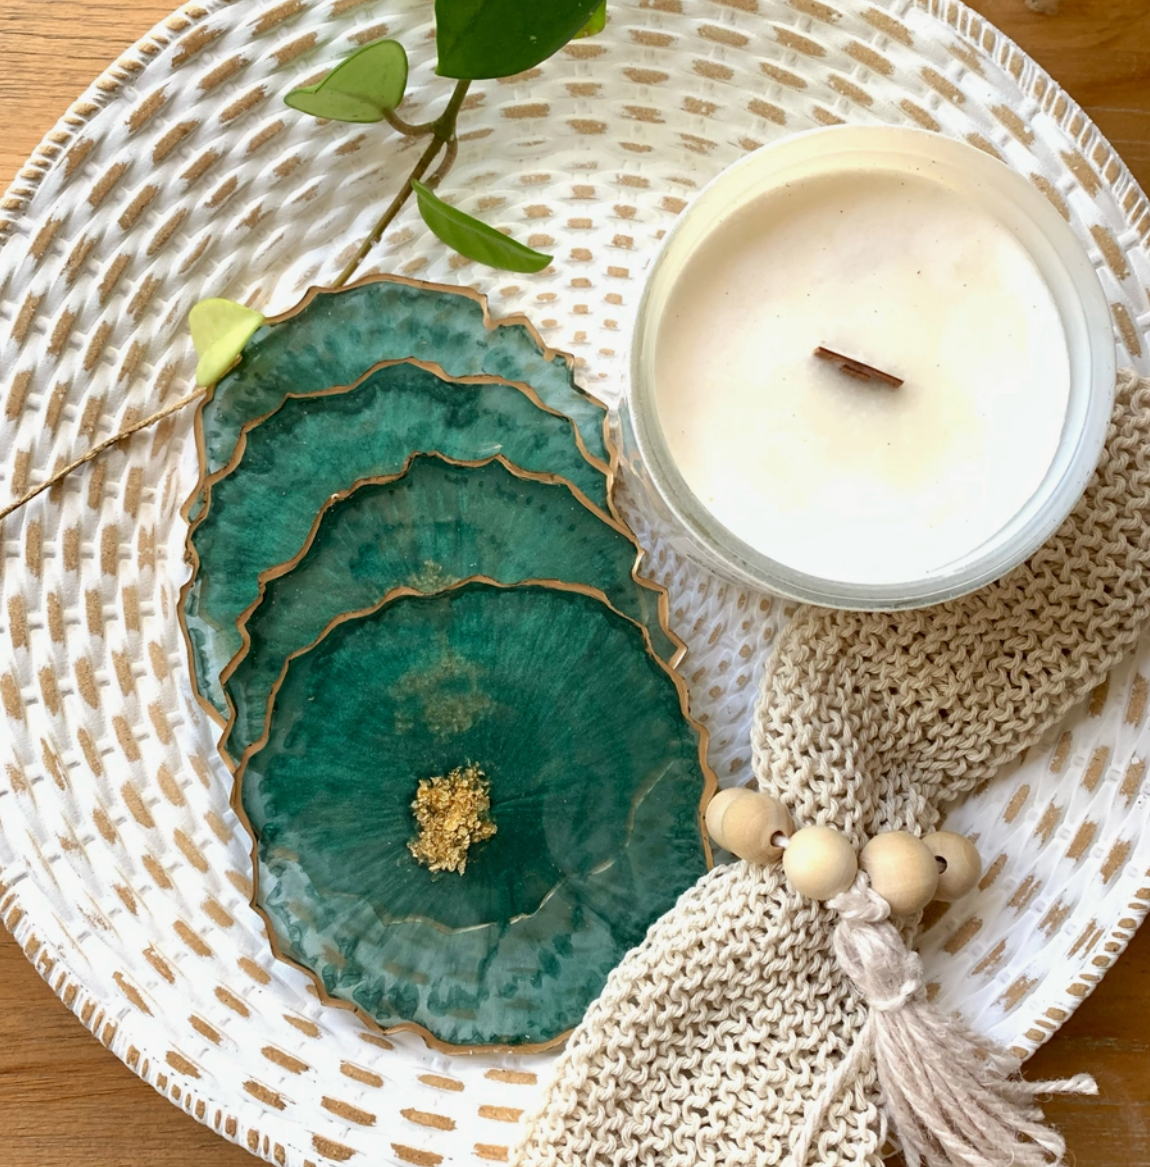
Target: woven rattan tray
<point>180,174</point>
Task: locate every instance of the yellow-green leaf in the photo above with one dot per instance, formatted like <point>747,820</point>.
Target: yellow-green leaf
<point>474,239</point>
<point>220,329</point>
<point>597,23</point>
<point>363,88</point>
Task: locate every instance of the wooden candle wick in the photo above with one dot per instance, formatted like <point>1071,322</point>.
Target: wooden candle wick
<point>857,369</point>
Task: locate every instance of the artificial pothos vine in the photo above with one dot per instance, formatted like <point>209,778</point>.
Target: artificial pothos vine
<point>475,40</point>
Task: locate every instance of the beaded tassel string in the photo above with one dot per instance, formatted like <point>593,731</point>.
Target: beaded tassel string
<point>948,1096</point>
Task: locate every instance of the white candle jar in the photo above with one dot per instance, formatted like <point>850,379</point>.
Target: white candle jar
<point>908,251</point>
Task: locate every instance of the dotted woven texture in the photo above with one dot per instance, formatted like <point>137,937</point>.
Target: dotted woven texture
<point>180,174</point>
<point>715,1035</point>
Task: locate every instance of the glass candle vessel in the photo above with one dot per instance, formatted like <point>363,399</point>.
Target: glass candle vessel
<point>872,367</point>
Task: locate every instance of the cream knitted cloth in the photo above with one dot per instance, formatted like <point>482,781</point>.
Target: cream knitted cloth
<point>713,1036</point>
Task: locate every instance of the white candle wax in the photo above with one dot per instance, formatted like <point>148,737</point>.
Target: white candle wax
<point>843,479</point>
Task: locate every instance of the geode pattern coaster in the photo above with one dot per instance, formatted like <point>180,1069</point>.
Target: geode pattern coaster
<point>333,338</point>
<point>464,759</point>
<point>431,526</point>
<point>292,462</point>
<point>596,783</point>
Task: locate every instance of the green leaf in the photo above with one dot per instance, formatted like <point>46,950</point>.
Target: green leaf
<point>474,239</point>
<point>597,23</point>
<point>363,88</point>
<point>220,329</point>
<point>479,39</point>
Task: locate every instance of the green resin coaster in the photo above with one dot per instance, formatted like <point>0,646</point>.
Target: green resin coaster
<point>434,525</point>
<point>595,779</point>
<point>333,338</point>
<point>313,447</point>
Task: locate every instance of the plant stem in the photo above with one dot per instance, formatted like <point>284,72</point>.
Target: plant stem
<point>442,133</point>
<point>449,156</point>
<point>106,444</point>
<point>407,129</point>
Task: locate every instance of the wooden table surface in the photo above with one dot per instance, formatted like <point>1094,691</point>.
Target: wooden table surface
<point>64,1100</point>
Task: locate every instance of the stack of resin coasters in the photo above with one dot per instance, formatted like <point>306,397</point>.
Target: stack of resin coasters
<point>448,697</point>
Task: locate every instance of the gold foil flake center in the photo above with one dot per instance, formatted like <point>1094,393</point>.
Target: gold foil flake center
<point>453,813</point>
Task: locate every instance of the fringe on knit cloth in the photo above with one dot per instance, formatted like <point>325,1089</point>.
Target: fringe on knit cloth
<point>716,1035</point>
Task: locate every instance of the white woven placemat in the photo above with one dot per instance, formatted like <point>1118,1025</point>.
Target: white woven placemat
<point>179,175</point>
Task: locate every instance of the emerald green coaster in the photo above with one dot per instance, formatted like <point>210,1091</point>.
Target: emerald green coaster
<point>333,338</point>
<point>313,447</point>
<point>596,782</point>
<point>433,525</point>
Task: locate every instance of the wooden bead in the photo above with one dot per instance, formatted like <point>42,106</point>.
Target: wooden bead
<point>820,863</point>
<point>717,809</point>
<point>744,822</point>
<point>902,870</point>
<point>963,863</point>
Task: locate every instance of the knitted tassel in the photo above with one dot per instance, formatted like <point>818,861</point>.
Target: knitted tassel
<point>949,1097</point>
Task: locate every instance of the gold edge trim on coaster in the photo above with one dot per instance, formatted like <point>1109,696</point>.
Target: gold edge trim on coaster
<point>278,571</point>
<point>205,481</point>
<point>337,390</point>
<point>192,561</point>
<point>710,786</point>
<point>490,321</point>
